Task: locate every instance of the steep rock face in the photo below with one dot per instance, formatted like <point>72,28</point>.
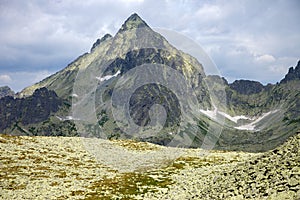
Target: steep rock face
<point>30,110</point>
<point>6,91</point>
<point>293,74</point>
<point>246,87</point>
<point>141,103</point>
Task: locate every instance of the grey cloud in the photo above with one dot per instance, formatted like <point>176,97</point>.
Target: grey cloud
<point>18,80</point>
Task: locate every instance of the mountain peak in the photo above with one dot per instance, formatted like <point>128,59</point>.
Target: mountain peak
<point>293,74</point>
<point>133,22</point>
<point>134,16</point>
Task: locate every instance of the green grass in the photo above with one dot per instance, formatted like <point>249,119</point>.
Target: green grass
<point>126,185</point>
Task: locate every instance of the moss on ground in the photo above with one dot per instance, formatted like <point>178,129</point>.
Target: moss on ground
<point>60,168</point>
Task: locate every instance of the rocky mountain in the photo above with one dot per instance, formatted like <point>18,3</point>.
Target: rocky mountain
<point>134,44</point>
<point>30,110</point>
<point>6,91</point>
<point>293,74</point>
<point>124,77</point>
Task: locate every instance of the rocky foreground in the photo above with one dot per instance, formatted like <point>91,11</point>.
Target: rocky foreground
<point>77,168</point>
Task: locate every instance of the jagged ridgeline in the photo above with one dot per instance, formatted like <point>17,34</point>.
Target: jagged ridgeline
<point>124,77</point>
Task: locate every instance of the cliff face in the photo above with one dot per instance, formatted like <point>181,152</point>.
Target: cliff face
<point>30,110</point>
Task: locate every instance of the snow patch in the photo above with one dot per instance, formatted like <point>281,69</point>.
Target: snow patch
<point>60,118</point>
<point>214,113</point>
<point>74,95</point>
<point>251,126</point>
<point>211,113</point>
<point>235,118</point>
<point>105,78</point>
<point>69,118</point>
<point>66,118</point>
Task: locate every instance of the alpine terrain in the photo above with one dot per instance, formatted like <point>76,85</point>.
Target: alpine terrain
<point>253,117</point>
<point>138,117</point>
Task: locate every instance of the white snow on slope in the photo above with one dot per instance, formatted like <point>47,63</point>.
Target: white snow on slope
<point>105,78</point>
<point>251,126</point>
<point>210,113</point>
<point>235,118</point>
<point>60,118</point>
<point>66,118</point>
<point>74,95</point>
<point>213,114</point>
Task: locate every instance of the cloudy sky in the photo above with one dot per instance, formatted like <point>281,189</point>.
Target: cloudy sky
<point>257,40</point>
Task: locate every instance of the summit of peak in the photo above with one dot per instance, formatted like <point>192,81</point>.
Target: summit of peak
<point>133,17</point>
<point>133,22</point>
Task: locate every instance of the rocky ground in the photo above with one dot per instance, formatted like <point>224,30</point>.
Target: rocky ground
<point>76,168</point>
<point>271,175</point>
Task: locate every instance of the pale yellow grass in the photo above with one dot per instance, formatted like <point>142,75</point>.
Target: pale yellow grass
<point>61,167</point>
